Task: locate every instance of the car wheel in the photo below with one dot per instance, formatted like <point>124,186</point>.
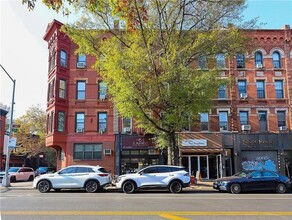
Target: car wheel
<point>129,187</point>
<point>44,186</point>
<point>175,187</point>
<point>12,179</point>
<point>281,188</point>
<point>91,186</point>
<point>30,178</point>
<point>235,188</point>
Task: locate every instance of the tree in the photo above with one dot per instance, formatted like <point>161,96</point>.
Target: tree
<point>148,62</point>
<point>31,135</point>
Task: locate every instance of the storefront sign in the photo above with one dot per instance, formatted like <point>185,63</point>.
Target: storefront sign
<point>137,143</point>
<point>259,142</point>
<point>194,142</point>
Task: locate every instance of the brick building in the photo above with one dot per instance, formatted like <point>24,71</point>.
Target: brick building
<point>83,126</point>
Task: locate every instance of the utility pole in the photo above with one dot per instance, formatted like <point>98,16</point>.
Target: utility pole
<point>6,180</point>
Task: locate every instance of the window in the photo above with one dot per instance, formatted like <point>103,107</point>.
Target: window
<point>204,119</point>
<point>240,61</point>
<point>52,122</point>
<point>202,62</point>
<point>81,60</point>
<point>102,90</point>
<point>263,125</point>
<point>87,151</point>
<point>243,117</point>
<point>79,122</point>
<point>62,89</point>
<point>258,59</point>
<point>220,59</point>
<point>126,123</point>
<point>279,89</point>
<point>80,90</point>
<point>63,58</point>
<point>223,121</point>
<point>222,92</point>
<point>52,60</point>
<point>261,89</point>
<point>281,118</point>
<point>102,121</point>
<point>241,87</point>
<point>61,121</point>
<point>276,59</point>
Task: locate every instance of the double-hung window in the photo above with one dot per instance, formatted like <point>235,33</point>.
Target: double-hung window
<point>81,60</point>
<point>220,59</point>
<point>276,60</point>
<point>81,86</point>
<point>279,89</point>
<point>222,92</point>
<point>61,121</point>
<point>281,118</point>
<point>102,122</point>
<point>243,117</point>
<point>202,62</point>
<point>223,121</point>
<point>79,122</point>
<point>263,123</point>
<point>241,88</point>
<point>240,61</point>
<point>204,120</point>
<point>258,59</point>
<point>102,90</point>
<point>63,58</point>
<point>62,89</point>
<point>260,89</point>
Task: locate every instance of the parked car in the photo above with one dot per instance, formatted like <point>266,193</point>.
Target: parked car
<point>253,181</point>
<point>43,170</point>
<point>19,174</point>
<point>90,178</point>
<point>173,178</point>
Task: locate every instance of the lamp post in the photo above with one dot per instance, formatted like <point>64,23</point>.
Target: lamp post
<point>6,180</point>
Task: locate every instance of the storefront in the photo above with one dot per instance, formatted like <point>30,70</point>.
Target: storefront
<point>201,154</point>
<point>137,152</point>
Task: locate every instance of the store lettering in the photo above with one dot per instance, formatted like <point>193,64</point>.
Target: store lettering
<point>254,143</point>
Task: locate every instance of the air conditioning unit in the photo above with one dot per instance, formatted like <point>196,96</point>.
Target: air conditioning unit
<point>80,65</point>
<point>107,152</point>
<point>101,130</point>
<point>243,95</point>
<point>80,130</point>
<point>282,128</point>
<point>245,127</point>
<point>241,73</point>
<point>102,97</point>
<point>127,129</point>
<point>259,66</point>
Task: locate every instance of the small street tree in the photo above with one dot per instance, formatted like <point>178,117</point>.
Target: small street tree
<point>30,135</point>
<point>148,52</point>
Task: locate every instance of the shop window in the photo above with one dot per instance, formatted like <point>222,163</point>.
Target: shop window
<point>88,151</point>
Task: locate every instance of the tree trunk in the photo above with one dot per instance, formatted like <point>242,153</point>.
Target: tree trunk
<point>172,150</point>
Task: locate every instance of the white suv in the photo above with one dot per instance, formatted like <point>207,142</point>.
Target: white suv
<point>19,174</point>
<point>90,178</point>
<point>173,178</point>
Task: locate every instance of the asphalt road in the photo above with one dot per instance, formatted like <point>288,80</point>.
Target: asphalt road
<point>193,203</point>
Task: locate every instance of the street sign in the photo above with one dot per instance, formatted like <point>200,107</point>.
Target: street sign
<point>12,143</point>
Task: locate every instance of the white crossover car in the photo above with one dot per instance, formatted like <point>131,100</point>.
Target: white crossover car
<point>19,174</point>
<point>90,178</point>
<point>173,178</point>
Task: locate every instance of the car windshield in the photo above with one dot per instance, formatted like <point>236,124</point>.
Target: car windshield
<point>13,169</point>
<point>241,174</point>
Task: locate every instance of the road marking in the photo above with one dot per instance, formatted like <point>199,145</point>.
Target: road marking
<point>165,214</point>
<point>172,217</point>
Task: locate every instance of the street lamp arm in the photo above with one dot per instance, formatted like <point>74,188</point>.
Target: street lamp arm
<point>7,73</point>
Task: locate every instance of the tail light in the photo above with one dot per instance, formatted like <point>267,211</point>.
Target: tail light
<point>102,174</point>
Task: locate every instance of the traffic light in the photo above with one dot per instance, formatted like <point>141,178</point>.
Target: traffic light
<point>15,127</point>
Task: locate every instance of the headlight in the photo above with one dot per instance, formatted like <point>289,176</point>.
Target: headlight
<point>224,183</point>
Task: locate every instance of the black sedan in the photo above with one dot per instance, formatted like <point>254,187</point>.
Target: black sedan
<point>253,181</point>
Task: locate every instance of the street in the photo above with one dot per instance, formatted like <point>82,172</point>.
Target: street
<point>111,204</point>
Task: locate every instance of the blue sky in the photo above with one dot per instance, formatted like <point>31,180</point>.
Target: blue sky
<point>24,54</point>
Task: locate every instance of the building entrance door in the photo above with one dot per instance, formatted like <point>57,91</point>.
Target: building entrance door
<point>197,163</point>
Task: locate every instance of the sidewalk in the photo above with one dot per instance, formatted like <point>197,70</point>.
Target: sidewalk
<point>199,186</point>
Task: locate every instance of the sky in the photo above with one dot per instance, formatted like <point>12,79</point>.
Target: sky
<point>24,53</point>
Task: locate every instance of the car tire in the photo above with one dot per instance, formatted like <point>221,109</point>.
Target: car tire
<point>129,187</point>
<point>175,187</point>
<point>91,186</point>
<point>30,178</point>
<point>12,179</point>
<point>235,188</point>
<point>281,188</point>
<point>44,186</point>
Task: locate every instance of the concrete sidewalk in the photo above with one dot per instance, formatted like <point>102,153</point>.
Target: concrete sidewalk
<point>199,186</point>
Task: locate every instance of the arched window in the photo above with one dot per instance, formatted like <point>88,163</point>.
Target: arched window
<point>276,59</point>
<point>63,58</point>
<point>258,59</point>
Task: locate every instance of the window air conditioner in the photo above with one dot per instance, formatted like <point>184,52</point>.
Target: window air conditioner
<point>101,130</point>
<point>245,127</point>
<point>80,65</point>
<point>243,95</point>
<point>259,66</point>
<point>80,130</point>
<point>107,152</point>
<point>102,97</point>
<point>127,129</point>
<point>282,128</point>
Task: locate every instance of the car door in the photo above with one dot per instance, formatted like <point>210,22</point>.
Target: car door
<point>65,178</point>
<point>269,180</point>
<point>253,181</point>
<point>149,177</point>
<point>21,174</point>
